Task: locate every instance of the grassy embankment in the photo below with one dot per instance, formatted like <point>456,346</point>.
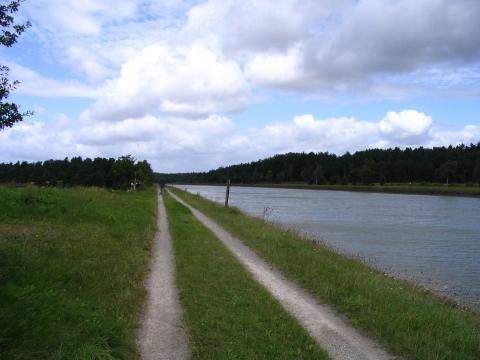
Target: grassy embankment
<point>72,264</point>
<point>228,315</point>
<point>426,189</point>
<point>409,321</point>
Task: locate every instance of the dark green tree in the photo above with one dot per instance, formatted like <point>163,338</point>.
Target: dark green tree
<point>318,175</point>
<point>420,165</point>
<point>269,176</point>
<point>122,173</point>
<point>98,172</point>
<point>448,170</point>
<point>307,174</point>
<point>367,172</point>
<point>144,173</point>
<point>10,31</point>
<point>476,173</point>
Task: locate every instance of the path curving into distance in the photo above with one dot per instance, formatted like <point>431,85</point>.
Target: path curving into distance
<point>162,334</point>
<point>334,335</point>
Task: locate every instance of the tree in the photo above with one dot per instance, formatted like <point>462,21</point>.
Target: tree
<point>420,165</point>
<point>269,176</point>
<point>79,172</point>
<point>9,112</point>
<point>144,173</point>
<point>307,174</point>
<point>448,170</point>
<point>122,173</point>
<point>476,172</point>
<point>318,175</point>
<point>367,172</point>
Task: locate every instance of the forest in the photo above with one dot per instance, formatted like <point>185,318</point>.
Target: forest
<point>99,172</point>
<point>453,164</point>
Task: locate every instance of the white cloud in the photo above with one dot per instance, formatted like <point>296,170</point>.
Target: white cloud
<point>277,69</point>
<point>190,81</point>
<point>79,17</point>
<point>152,66</point>
<point>94,38</point>
<point>469,134</point>
<point>173,144</point>
<point>37,141</point>
<point>35,84</point>
<point>249,25</point>
<point>406,125</point>
<point>344,46</point>
<point>316,46</point>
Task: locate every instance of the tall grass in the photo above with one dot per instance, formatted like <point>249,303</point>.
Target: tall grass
<point>72,264</point>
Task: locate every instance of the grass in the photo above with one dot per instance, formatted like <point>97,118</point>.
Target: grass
<point>229,316</point>
<point>400,188</point>
<point>72,264</point>
<point>410,322</point>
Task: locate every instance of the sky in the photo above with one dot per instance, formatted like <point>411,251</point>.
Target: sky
<point>194,85</point>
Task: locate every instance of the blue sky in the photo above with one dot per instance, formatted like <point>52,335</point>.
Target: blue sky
<point>193,85</point>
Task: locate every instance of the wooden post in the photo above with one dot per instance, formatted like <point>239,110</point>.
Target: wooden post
<point>227,194</point>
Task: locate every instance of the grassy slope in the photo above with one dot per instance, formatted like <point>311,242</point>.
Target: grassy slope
<point>412,323</point>
<point>72,264</point>
<point>229,316</point>
<point>427,189</point>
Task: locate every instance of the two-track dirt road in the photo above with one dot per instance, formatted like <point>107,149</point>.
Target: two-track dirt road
<point>163,334</point>
<point>334,335</point>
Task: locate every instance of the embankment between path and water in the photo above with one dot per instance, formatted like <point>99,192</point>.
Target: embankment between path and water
<point>408,320</point>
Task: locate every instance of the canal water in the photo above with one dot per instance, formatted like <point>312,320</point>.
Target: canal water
<point>434,240</point>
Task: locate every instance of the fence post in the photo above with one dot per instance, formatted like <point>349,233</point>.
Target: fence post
<point>227,194</point>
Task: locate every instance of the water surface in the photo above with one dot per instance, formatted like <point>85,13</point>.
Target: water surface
<point>432,239</point>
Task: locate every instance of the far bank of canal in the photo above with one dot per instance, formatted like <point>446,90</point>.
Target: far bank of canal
<point>434,240</point>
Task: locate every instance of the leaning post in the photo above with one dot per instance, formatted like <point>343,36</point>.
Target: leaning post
<point>227,194</point>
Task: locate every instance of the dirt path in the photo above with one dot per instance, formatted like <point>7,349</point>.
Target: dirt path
<point>162,334</point>
<point>339,339</point>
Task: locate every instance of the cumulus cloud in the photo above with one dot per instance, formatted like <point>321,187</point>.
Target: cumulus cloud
<point>35,84</point>
<point>276,69</point>
<point>316,46</point>
<point>170,144</point>
<point>188,81</point>
<point>152,67</point>
<point>339,135</point>
<point>407,125</point>
<point>94,38</point>
<point>33,140</point>
<point>80,17</point>
<point>372,42</point>
<point>249,25</point>
<point>174,144</point>
<point>469,134</point>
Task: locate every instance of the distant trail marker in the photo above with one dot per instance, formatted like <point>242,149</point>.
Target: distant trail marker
<point>227,194</point>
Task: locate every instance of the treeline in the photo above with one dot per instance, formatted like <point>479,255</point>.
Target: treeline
<point>112,173</point>
<point>460,164</point>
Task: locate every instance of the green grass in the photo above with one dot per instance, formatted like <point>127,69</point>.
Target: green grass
<point>228,315</point>
<point>412,323</point>
<point>72,264</point>
<point>421,189</point>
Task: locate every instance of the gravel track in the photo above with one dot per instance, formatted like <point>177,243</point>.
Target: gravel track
<point>162,334</point>
<point>329,330</point>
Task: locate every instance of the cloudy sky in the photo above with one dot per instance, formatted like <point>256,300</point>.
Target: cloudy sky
<point>193,85</point>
